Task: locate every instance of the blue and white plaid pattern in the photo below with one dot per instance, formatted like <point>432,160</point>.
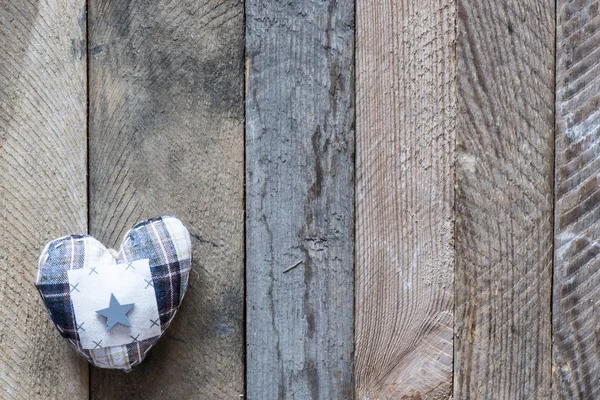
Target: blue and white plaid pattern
<point>164,241</point>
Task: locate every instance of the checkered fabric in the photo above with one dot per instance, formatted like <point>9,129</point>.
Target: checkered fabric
<point>164,241</point>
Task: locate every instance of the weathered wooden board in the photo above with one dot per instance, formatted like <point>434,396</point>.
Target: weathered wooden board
<point>405,134</point>
<point>42,186</point>
<point>167,136</point>
<point>576,318</point>
<point>504,201</point>
<point>299,200</point>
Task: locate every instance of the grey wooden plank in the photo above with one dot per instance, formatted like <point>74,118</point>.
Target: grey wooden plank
<point>42,186</point>
<point>299,199</point>
<point>167,136</point>
<point>504,199</point>
<point>405,134</point>
<point>577,222</point>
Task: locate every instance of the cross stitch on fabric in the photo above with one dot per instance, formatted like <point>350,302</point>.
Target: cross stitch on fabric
<point>79,280</point>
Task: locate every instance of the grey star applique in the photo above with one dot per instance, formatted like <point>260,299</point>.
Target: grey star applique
<point>116,313</point>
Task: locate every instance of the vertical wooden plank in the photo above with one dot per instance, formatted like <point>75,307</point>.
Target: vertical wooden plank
<point>42,186</point>
<point>504,199</point>
<point>167,136</point>
<point>299,200</point>
<point>576,318</point>
<point>405,122</point>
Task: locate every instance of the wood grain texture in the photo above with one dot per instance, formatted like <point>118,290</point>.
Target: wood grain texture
<point>167,136</point>
<point>504,201</point>
<point>576,298</point>
<point>405,133</point>
<point>42,186</point>
<point>299,199</point>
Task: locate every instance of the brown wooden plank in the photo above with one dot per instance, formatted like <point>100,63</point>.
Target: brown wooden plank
<point>576,298</point>
<point>167,136</point>
<point>42,186</point>
<point>504,201</point>
<point>299,200</point>
<point>405,132</point>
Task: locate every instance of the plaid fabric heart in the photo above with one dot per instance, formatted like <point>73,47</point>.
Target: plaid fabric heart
<point>78,278</point>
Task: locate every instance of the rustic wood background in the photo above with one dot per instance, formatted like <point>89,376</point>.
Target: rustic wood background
<point>388,200</point>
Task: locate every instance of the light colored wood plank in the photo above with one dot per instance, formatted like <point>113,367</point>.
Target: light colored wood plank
<point>405,130</point>
<point>42,186</point>
<point>167,136</point>
<point>299,200</point>
<point>576,298</point>
<point>504,200</point>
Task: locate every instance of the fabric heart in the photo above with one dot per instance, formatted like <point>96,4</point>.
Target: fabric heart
<point>114,308</point>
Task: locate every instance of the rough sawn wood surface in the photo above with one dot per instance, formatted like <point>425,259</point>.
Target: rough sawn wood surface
<point>504,202</point>
<point>42,186</point>
<point>576,308</point>
<point>167,136</point>
<point>299,199</point>
<point>406,113</point>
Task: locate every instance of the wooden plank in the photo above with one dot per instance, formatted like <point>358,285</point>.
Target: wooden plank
<point>42,186</point>
<point>167,136</point>
<point>504,201</point>
<point>405,132</point>
<point>577,222</point>
<point>299,200</point>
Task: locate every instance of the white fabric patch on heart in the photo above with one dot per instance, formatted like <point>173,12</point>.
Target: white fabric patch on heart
<point>91,290</point>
